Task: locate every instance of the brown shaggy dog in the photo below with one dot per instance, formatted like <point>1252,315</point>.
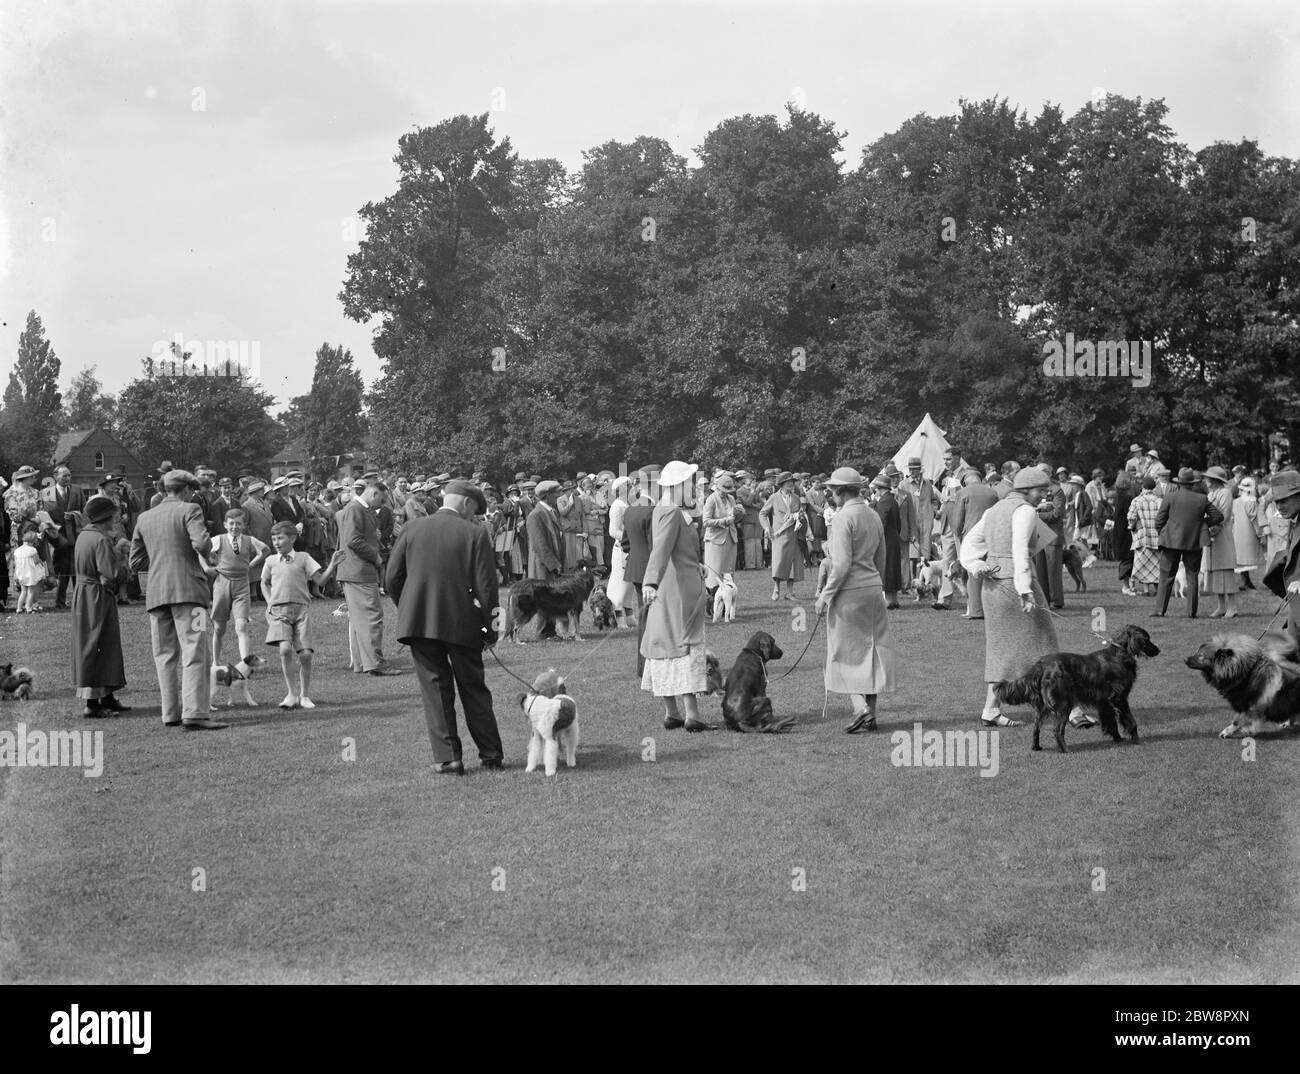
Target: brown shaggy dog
<point>1259,679</point>
<point>552,599</point>
<point>745,704</point>
<point>1060,681</point>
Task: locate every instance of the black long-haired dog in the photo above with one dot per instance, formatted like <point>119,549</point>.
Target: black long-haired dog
<point>1259,679</point>
<point>552,599</point>
<point>1060,681</point>
<point>745,704</point>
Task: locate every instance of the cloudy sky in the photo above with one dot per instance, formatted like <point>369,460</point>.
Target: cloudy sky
<point>191,167</point>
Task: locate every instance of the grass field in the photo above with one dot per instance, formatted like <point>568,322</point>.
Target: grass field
<point>318,868</point>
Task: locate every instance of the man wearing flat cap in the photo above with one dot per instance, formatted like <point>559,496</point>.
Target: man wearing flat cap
<point>545,535</point>
<point>172,543</point>
<point>359,575</point>
<point>442,574</point>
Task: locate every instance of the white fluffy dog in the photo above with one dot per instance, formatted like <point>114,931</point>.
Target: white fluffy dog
<point>724,600</point>
<point>553,715</point>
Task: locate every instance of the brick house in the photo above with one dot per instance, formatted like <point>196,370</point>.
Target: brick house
<point>92,453</point>
<point>294,456</point>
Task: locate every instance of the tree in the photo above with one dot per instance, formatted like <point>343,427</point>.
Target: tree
<point>30,420</point>
<point>329,418</point>
<point>87,406</point>
<point>217,420</point>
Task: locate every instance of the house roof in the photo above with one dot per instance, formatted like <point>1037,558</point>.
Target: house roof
<point>294,451</point>
<point>69,442</point>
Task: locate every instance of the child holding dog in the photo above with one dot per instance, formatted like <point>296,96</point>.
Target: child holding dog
<point>234,556</point>
<point>287,581</point>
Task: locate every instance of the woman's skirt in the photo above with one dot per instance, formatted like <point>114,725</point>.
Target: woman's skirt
<point>1014,639</point>
<point>616,587</point>
<point>1146,565</point>
<point>787,561</point>
<point>677,675</point>
<point>719,559</point>
<point>1222,582</point>
<point>859,653</point>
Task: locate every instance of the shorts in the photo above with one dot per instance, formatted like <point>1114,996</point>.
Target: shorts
<point>289,622</point>
<point>230,595</point>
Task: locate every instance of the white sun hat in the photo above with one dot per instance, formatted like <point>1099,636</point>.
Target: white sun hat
<point>675,473</point>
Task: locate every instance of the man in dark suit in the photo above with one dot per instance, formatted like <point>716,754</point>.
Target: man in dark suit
<point>1050,561</point>
<point>1283,574</point>
<point>1181,521</point>
<point>442,573</point>
<point>545,535</point>
<point>359,575</point>
<point>973,500</point>
<point>64,502</point>
<point>168,543</point>
<point>287,507</point>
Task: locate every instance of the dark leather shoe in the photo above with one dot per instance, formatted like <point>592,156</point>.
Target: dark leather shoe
<point>1156,615</point>
<point>385,669</point>
<point>171,723</point>
<point>203,725</point>
<point>891,607</point>
<point>671,723</point>
<point>496,765</point>
<point>865,722</point>
<point>449,768</point>
<point>113,704</point>
<point>939,606</point>
<point>94,712</point>
<point>700,725</point>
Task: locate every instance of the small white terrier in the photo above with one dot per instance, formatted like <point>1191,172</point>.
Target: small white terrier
<point>553,715</point>
<point>724,600</point>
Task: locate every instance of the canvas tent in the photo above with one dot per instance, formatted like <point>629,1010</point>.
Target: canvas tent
<point>928,444</point>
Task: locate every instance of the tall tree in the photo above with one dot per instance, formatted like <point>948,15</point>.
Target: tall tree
<point>87,406</point>
<point>329,418</point>
<point>32,411</point>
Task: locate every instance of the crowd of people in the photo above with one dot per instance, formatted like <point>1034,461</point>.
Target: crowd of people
<point>201,549</point>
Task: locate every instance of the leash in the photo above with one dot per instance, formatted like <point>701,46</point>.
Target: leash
<point>590,653</point>
<point>801,655</point>
<point>992,576</point>
<point>1269,626</point>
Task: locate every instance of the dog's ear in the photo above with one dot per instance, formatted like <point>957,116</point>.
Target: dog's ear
<point>765,645</point>
<point>1223,654</point>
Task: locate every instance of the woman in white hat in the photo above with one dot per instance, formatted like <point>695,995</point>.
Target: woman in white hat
<point>673,590</point>
<point>1220,563</point>
<point>859,655</point>
<point>621,593</point>
<point>1248,530</point>
<point>998,553</point>
<point>783,521</point>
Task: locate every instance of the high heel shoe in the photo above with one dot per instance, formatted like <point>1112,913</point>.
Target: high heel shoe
<point>864,722</point>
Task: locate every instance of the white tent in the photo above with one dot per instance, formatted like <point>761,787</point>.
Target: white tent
<point>928,444</point>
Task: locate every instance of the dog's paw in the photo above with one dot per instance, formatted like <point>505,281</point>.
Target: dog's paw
<point>252,704</point>
<point>1229,732</point>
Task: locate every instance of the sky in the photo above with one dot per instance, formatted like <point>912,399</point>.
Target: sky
<point>195,168</point>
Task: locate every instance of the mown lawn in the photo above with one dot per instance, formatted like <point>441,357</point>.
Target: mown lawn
<point>319,868</point>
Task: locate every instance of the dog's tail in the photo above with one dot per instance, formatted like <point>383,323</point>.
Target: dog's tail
<point>1021,691</point>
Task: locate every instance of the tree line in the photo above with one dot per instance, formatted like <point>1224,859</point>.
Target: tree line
<point>771,307</point>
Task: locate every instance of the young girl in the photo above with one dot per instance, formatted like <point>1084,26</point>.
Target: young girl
<point>29,571</point>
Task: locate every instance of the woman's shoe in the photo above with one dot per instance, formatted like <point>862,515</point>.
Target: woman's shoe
<point>864,722</point>
<point>1230,615</point>
<point>113,704</point>
<point>999,721</point>
<point>1216,614</point>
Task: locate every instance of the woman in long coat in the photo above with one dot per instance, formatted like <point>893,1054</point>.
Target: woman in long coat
<point>998,553</point>
<point>783,519</point>
<point>859,655</point>
<point>1141,523</point>
<point>673,591</point>
<point>720,535</point>
<point>1121,536</point>
<point>621,592</point>
<point>1220,563</point>
<point>886,506</point>
<point>1248,531</point>
<point>98,669</point>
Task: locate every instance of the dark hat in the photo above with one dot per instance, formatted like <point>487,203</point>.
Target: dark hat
<point>534,477</point>
<point>1186,476</point>
<point>915,460</point>
<point>100,509</point>
<point>467,488</point>
<point>890,470</point>
<point>783,477</point>
<point>179,479</point>
<point>1284,484</point>
<point>108,478</point>
<point>1031,477</point>
<point>371,475</point>
<point>880,481</point>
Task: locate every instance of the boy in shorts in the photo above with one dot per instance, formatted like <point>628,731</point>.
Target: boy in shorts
<point>288,578</point>
<point>235,555</point>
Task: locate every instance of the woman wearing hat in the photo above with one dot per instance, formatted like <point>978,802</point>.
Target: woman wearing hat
<point>783,520</point>
<point>98,669</point>
<point>1220,564</point>
<point>673,590</point>
<point>998,553</point>
<point>859,656</point>
<point>1248,530</point>
<point>22,501</point>
<point>621,593</point>
<point>720,533</point>
<point>1141,521</point>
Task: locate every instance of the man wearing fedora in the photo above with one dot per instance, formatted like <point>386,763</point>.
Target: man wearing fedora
<point>171,543</point>
<point>287,507</point>
<point>442,574</point>
<point>1183,522</point>
<point>1283,574</point>
<point>359,574</point>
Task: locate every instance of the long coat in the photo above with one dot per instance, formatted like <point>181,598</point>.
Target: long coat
<point>359,542</point>
<point>545,543</point>
<point>439,568</point>
<point>924,505</point>
<point>675,621</point>
<point>780,518</point>
<point>887,508</point>
<point>637,536</point>
<point>260,519</point>
<point>96,637</point>
<point>719,521</point>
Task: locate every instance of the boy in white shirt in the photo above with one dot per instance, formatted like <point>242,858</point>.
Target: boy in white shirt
<point>287,581</point>
<point>235,555</point>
